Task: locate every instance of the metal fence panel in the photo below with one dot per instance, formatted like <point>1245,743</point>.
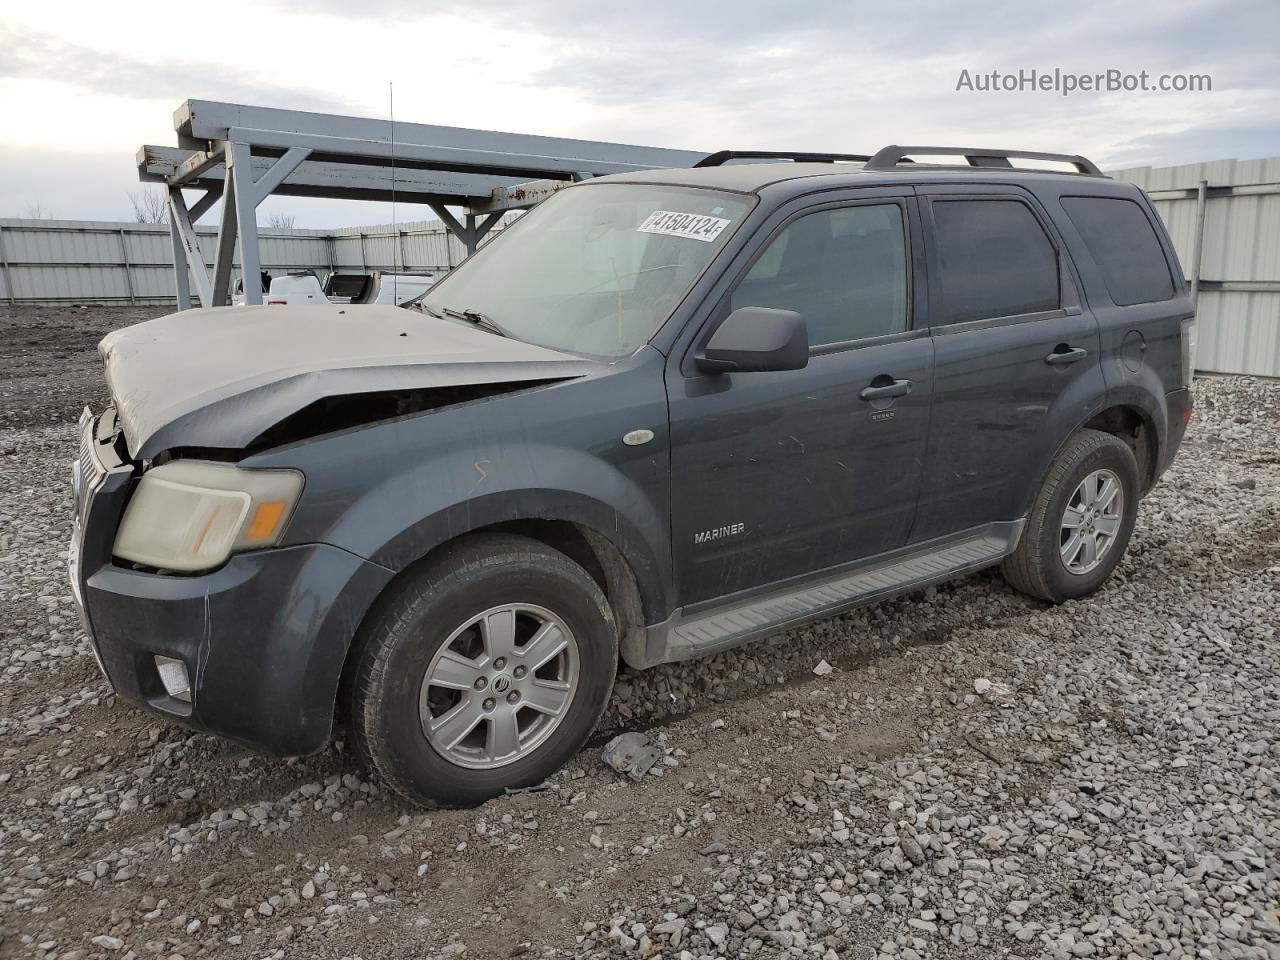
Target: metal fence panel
<point>81,261</point>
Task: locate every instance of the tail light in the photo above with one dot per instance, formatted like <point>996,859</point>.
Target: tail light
<point>1188,350</point>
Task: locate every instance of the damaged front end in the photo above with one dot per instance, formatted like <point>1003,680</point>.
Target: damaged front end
<point>224,378</point>
<point>195,604</point>
<point>246,645</point>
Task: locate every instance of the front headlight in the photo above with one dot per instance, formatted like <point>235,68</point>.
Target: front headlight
<point>191,515</point>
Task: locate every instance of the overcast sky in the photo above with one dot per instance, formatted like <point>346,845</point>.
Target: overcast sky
<point>83,85</point>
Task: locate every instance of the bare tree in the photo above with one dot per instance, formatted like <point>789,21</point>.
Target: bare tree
<point>38,211</point>
<point>149,206</point>
<point>281,221</point>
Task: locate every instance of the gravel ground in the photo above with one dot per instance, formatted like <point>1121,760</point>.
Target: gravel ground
<point>979,775</point>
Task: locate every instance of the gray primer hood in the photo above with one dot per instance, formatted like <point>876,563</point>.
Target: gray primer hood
<point>220,377</point>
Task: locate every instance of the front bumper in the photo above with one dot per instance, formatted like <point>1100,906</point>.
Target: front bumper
<point>263,638</point>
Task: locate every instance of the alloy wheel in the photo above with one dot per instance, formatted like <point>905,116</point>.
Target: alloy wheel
<point>1091,522</point>
<point>499,686</point>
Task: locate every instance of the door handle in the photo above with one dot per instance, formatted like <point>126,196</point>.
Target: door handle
<point>898,388</point>
<point>1066,355</point>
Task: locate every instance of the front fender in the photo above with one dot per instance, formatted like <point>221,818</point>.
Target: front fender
<point>391,492</point>
<point>625,518</point>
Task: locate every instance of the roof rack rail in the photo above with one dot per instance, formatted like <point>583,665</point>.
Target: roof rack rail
<point>723,156</point>
<point>891,156</point>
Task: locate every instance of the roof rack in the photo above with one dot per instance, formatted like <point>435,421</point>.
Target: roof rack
<point>723,156</point>
<point>891,156</point>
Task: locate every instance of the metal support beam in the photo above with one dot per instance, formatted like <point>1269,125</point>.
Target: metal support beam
<point>204,120</point>
<point>1198,256</point>
<point>487,224</point>
<point>186,234</point>
<point>128,268</point>
<point>472,241</point>
<point>181,272</point>
<point>1240,286</point>
<point>1221,190</point>
<point>241,170</point>
<point>8,277</point>
<point>466,233</point>
<point>201,206</point>
<point>267,183</point>
<point>521,196</point>
<point>500,162</point>
<point>323,155</point>
<point>226,249</point>
<point>196,164</point>
<point>246,194</point>
<point>368,180</point>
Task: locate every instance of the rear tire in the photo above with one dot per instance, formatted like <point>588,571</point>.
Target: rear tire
<point>451,699</point>
<point>1081,520</point>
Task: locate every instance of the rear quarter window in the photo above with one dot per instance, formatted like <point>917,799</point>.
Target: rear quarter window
<point>1124,245</point>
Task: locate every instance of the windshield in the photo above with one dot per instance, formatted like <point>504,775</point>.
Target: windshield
<point>594,269</point>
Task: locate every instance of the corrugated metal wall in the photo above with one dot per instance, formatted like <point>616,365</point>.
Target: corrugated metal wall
<point>1239,297</point>
<point>412,247</point>
<point>86,261</point>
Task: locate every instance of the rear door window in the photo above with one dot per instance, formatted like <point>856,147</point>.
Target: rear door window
<point>1124,245</point>
<point>994,260</point>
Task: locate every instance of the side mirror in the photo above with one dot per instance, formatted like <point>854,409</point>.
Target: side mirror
<point>755,339</point>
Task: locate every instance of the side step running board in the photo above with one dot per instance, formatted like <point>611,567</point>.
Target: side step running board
<point>739,619</point>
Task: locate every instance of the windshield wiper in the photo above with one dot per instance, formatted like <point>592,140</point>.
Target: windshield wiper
<point>473,317</point>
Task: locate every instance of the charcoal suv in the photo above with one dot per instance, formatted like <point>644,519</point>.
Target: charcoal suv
<point>662,414</point>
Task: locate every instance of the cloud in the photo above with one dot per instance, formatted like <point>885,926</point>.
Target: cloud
<point>706,74</point>
<point>28,54</point>
<point>1188,145</point>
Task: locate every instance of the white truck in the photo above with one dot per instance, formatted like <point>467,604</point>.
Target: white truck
<point>305,287</point>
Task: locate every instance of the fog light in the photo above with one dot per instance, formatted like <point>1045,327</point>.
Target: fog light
<point>173,674</point>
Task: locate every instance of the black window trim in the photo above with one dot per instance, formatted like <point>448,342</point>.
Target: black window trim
<point>1008,319</point>
<point>1155,231</point>
<point>911,332</point>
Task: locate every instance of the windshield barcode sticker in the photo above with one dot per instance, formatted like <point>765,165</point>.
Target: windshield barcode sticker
<point>690,225</point>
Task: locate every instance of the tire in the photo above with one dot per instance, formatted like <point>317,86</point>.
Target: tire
<point>1038,566</point>
<point>403,730</point>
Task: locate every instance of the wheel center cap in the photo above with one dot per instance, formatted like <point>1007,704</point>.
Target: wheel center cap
<point>502,683</point>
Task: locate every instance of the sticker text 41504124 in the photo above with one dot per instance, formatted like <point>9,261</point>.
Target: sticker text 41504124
<point>691,225</point>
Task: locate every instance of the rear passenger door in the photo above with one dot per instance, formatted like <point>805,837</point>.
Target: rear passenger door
<point>1016,356</point>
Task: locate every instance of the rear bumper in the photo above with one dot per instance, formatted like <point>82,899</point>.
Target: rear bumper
<point>263,638</point>
<point>1178,414</point>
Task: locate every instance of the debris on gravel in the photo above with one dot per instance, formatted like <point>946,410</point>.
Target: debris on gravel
<point>977,775</point>
<point>631,753</point>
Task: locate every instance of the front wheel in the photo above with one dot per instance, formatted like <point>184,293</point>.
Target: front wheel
<point>485,670</point>
<point>1080,522</point>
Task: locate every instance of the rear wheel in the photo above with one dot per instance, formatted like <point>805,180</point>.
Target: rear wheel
<point>1080,522</point>
<point>485,670</point>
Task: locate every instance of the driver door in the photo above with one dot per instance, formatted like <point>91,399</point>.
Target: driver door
<point>781,474</point>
